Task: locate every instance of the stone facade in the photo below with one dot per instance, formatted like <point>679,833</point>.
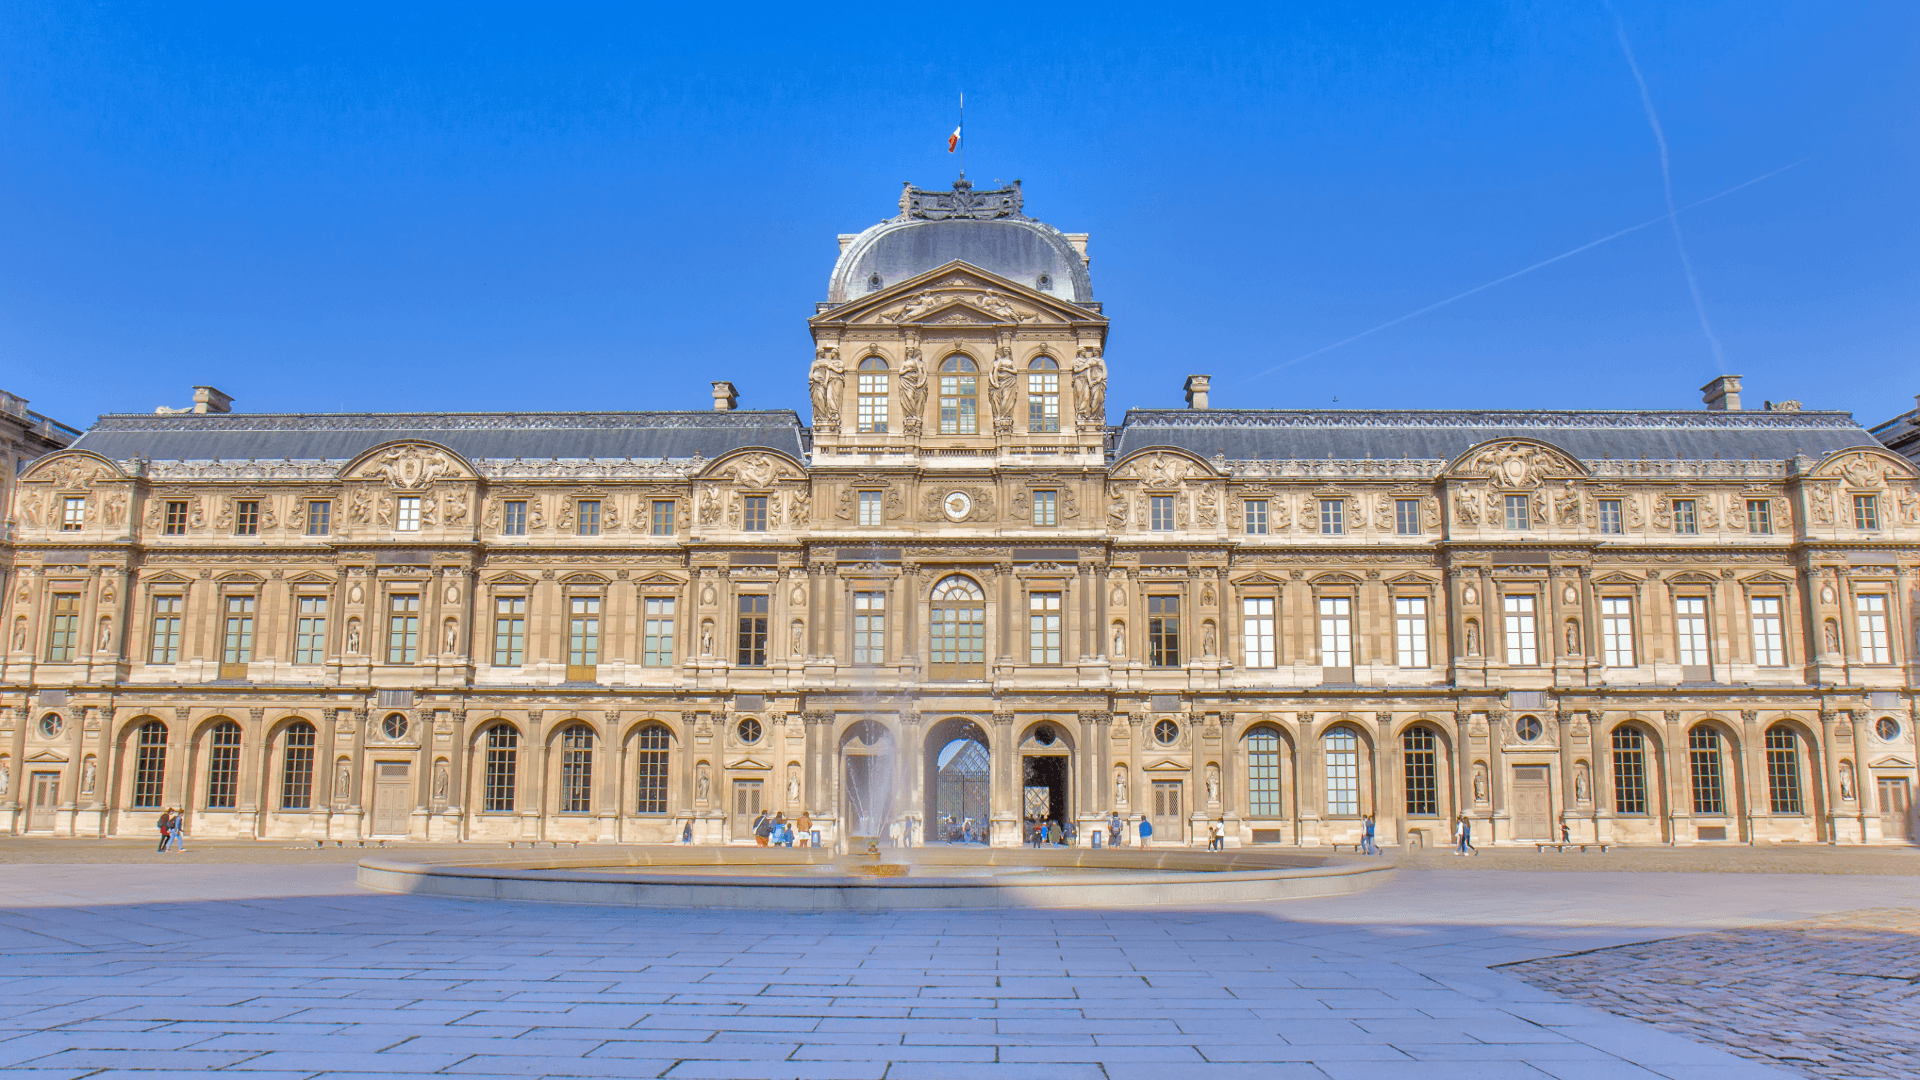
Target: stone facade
<point>960,595</point>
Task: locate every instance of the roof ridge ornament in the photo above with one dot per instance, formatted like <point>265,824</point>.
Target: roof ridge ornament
<point>961,202</point>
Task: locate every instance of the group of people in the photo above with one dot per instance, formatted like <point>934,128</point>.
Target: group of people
<point>173,830</point>
<point>774,830</point>
<point>1042,832</point>
<point>1463,837</point>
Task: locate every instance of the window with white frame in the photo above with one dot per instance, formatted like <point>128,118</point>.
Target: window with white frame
<point>1256,517</point>
<point>408,517</point>
<point>1333,516</point>
<point>1410,630</point>
<point>870,508</point>
<point>1616,631</point>
<point>1343,772</point>
<point>872,418</point>
<point>656,639</point>
<point>1046,506</point>
<point>1523,643</point>
<point>1769,639</point>
<point>1336,632</point>
<point>1406,517</point>
<point>1759,517</point>
<point>1870,613</point>
<point>870,627</point>
<point>1256,631</point>
<point>310,630</point>
<point>1043,394</point>
<point>1043,628</point>
<point>1516,506</point>
<point>1686,520</point>
<point>1690,631</point>
<point>509,631</point>
<point>959,396</point>
<point>1608,511</point>
<point>73,513</point>
<point>1866,512</point>
<point>1160,513</point>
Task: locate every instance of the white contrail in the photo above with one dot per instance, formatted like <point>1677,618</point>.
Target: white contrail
<point>1521,272</point>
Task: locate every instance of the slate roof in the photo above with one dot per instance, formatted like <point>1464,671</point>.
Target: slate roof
<point>1901,434</point>
<point>1356,434</point>
<point>341,436</point>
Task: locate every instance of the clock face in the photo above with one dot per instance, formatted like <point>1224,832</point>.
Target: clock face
<point>958,505</point>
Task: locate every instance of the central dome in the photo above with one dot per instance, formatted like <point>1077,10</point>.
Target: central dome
<point>982,228</point>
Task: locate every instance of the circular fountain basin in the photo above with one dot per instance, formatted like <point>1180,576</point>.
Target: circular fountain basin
<point>806,880</point>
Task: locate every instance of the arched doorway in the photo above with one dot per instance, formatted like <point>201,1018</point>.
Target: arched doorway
<point>959,784</point>
<point>1045,764</point>
<point>869,782</point>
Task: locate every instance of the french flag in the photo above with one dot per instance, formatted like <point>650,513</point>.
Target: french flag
<point>953,141</point>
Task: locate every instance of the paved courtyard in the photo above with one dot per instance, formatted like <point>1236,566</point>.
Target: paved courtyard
<point>267,963</point>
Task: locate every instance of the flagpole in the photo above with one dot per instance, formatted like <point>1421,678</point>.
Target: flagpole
<point>963,134</point>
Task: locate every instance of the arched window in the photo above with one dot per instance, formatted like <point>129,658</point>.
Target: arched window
<point>1343,771</point>
<point>1421,751</point>
<point>1783,770</point>
<point>502,762</point>
<point>1043,394</point>
<point>149,765</point>
<point>296,766</point>
<point>958,631</point>
<point>650,751</point>
<point>576,770</point>
<point>959,397</point>
<point>873,395</point>
<point>223,766</point>
<point>1629,771</point>
<point>1703,760</point>
<point>1263,772</point>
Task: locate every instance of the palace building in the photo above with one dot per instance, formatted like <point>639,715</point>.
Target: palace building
<point>958,596</point>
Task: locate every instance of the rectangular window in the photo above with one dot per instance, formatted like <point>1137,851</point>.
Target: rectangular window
<point>1256,517</point>
<point>223,767</point>
<point>403,629</point>
<point>1333,516</point>
<point>1629,772</point>
<point>310,630</point>
<point>1043,401</point>
<point>176,519</point>
<point>1406,516</point>
<point>1616,631</point>
<point>246,518</point>
<point>1263,773</point>
<point>1523,647</point>
<point>1410,630</point>
<point>166,629</point>
<point>1703,761</point>
<point>1866,512</point>
<point>1783,770</point>
<point>959,404</point>
<point>576,771</point>
<point>583,631</point>
<point>1336,632</point>
<point>870,508</point>
<point>407,519</point>
<point>652,775</point>
<point>1769,638</point>
<point>1516,512</point>
<point>319,517</point>
<point>1343,772</point>
<point>238,637</point>
<point>1871,613</point>
<point>656,645</point>
<point>498,782</point>
<point>752,650</point>
<point>1422,771</point>
<point>586,515</point>
<point>513,517</point>
<point>1690,631</point>
<point>663,517</point>
<point>1161,508</point>
<point>1760,516</point>
<point>150,766</point>
<point>1685,522</point>
<point>873,403</point>
<point>73,513</point>
<point>509,631</point>
<point>870,628</point>
<point>296,774</point>
<point>753,513</point>
<point>1163,631</point>
<point>63,634</point>
<point>1256,631</point>
<point>1043,628</point>
<point>1046,508</point>
<point>1610,516</point>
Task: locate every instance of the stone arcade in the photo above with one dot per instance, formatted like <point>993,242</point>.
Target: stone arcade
<point>961,596</point>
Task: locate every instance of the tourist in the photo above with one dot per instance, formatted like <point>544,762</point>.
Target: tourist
<point>906,831</point>
<point>1116,831</point>
<point>1216,839</point>
<point>1460,834</point>
<point>686,834</point>
<point>762,828</point>
<point>166,828</point>
<point>177,832</point>
<point>804,826</point>
<point>1565,838</point>
<point>1145,829</point>
<point>1367,846</point>
<point>1466,837</point>
<point>1069,833</point>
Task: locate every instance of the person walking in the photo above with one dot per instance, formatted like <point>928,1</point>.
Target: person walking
<point>1367,846</point>
<point>1146,834</point>
<point>1116,831</point>
<point>686,834</point>
<point>1466,838</point>
<point>1460,834</point>
<point>762,828</point>
<point>177,832</point>
<point>1218,840</point>
<point>804,826</point>
<point>166,828</point>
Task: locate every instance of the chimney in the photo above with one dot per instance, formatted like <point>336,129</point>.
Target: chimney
<point>1722,394</point>
<point>1197,391</point>
<point>206,399</point>
<point>724,397</point>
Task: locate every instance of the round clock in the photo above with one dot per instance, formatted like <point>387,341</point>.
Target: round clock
<point>958,505</point>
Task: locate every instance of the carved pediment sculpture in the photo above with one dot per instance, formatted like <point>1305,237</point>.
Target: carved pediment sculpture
<point>410,466</point>
<point>1517,463</point>
<point>73,470</point>
<point>757,468</point>
<point>1162,469</point>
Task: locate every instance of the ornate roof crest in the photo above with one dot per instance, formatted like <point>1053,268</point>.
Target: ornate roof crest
<point>961,202</point>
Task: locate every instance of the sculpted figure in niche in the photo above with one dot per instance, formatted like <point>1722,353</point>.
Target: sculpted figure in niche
<point>86,777</point>
<point>1580,792</point>
<point>1002,388</point>
<point>106,635</point>
<point>1846,781</point>
<point>442,781</point>
<point>793,787</point>
<point>1213,785</point>
<point>6,776</point>
<point>799,638</point>
<point>1833,638</point>
<point>1479,784</point>
<point>20,634</point>
<point>825,382</point>
<point>1090,385</point>
<point>452,639</point>
<point>1573,638</point>
<point>913,391</point>
<point>706,639</point>
<point>353,636</point>
<point>700,783</point>
<point>343,783</point>
<point>1473,639</point>
<point>1119,640</point>
<point>1120,787</point>
<point>1206,641</point>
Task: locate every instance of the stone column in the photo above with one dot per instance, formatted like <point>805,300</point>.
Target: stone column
<point>1005,807</point>
<point>1311,787</point>
<point>1679,779</point>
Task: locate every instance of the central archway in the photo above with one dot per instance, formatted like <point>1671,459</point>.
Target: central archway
<point>959,783</point>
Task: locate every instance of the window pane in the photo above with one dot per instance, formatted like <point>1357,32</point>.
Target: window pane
<point>1043,401</point>
<point>870,508</point>
<point>403,630</point>
<point>1610,515</point>
<point>1871,614</point>
<point>1406,515</point>
<point>1629,772</point>
<point>150,766</point>
<point>1256,517</point>
<point>869,628</point>
<point>576,770</point>
<point>1043,628</point>
<point>1343,771</point>
<point>1522,645</point>
<point>237,645</point>
<point>319,517</point>
<point>1783,770</point>
<point>657,634</point>
<point>754,513</point>
<point>1616,631</point>
<point>651,756</point>
<point>1161,507</point>
<point>587,517</point>
<point>63,631</point>
<point>663,517</point>
<point>873,402</point>
<point>1256,631</point>
<point>1333,516</point>
<point>1410,630</point>
<point>513,517</point>
<point>1044,508</point>
<point>751,650</point>
<point>1769,643</point>
<point>502,764</point>
<point>959,407</point>
<point>166,630</point>
<point>310,630</point>
<point>1336,632</point>
<point>1163,631</point>
<point>1703,759</point>
<point>409,516</point>
<point>583,631</point>
<point>1684,521</point>
<point>509,631</point>
<point>296,767</point>
<point>1866,512</point>
<point>1690,630</point>
<point>1516,511</point>
<point>1421,750</point>
<point>223,766</point>
<point>1263,773</point>
<point>1759,516</point>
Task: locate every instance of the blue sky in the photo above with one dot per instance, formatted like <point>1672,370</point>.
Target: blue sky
<point>566,207</point>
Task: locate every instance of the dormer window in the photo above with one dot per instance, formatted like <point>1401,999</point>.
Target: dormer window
<point>959,396</point>
<point>1045,284</point>
<point>873,395</point>
<point>873,282</point>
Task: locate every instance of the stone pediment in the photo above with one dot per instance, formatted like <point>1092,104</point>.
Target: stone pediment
<point>1255,581</point>
<point>1517,463</point>
<point>1766,577</point>
<point>1413,580</point>
<point>1616,577</point>
<point>1890,762</point>
<point>660,579</point>
<point>755,468</point>
<point>1865,468</point>
<point>1163,467</point>
<point>73,470</point>
<point>956,294</point>
<point>510,578</point>
<point>1692,578</point>
<point>311,578</point>
<point>750,763</point>
<point>1164,765</point>
<point>409,465</point>
<point>49,757</point>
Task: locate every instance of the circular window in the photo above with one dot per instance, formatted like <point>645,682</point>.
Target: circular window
<point>1527,727</point>
<point>1888,729</point>
<point>51,726</point>
<point>395,726</point>
<point>1044,735</point>
<point>1165,732</point>
<point>749,730</point>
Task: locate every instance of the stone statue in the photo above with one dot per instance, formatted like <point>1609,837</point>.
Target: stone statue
<point>1119,641</point>
<point>799,638</point>
<point>1116,510</point>
<point>20,634</point>
<point>1833,638</point>
<point>343,783</point>
<point>86,777</point>
<point>1213,785</point>
<point>442,781</point>
<point>106,634</point>
<point>1206,641</point>
<point>1573,638</point>
<point>1120,787</point>
<point>1580,792</point>
<point>793,790</point>
<point>1003,387</point>
<point>6,776</point>
<point>913,392</point>
<point>452,644</point>
<point>706,639</point>
<point>353,636</point>
<point>1846,781</point>
<point>1480,785</point>
<point>1473,639</point>
<point>700,783</point>
<point>1089,377</point>
<point>825,381</point>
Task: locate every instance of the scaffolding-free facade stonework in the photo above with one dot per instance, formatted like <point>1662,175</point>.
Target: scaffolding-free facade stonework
<point>960,601</point>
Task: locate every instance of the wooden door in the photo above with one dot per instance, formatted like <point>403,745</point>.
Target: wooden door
<point>746,807</point>
<point>1169,826</point>
<point>1896,808</point>
<point>44,799</point>
<point>392,798</point>
<point>1532,804</point>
